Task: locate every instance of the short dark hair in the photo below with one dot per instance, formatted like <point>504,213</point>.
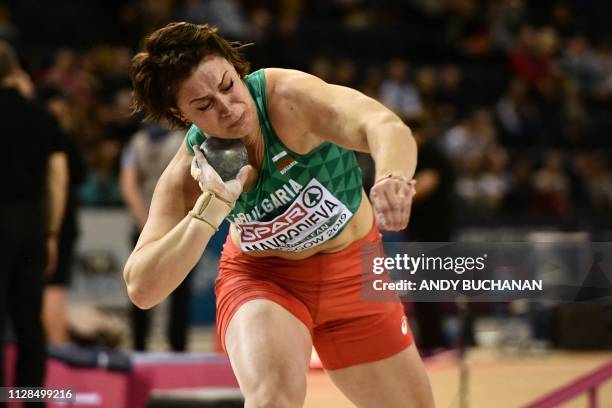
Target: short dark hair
<point>169,56</point>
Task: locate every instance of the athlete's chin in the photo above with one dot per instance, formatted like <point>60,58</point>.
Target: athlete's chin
<point>232,136</point>
<point>238,132</point>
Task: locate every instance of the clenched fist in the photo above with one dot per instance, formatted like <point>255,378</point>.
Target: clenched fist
<point>391,198</point>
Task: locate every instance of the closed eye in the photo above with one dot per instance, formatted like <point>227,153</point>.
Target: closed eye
<point>209,105</point>
<point>230,86</point>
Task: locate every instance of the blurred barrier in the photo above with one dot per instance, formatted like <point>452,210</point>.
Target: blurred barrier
<point>206,398</point>
<point>102,378</point>
<point>171,371</point>
<point>102,249</point>
<point>587,383</point>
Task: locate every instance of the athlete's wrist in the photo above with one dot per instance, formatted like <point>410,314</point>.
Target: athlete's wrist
<point>391,176</point>
<point>211,209</point>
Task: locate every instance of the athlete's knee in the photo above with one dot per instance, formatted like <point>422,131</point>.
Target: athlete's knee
<point>273,391</point>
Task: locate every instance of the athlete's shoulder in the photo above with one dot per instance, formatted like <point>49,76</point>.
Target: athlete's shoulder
<point>289,89</point>
<point>285,82</point>
<point>279,74</point>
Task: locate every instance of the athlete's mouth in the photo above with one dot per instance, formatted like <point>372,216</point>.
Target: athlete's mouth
<point>238,122</point>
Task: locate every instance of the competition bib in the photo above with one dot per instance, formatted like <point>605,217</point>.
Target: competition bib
<point>313,218</point>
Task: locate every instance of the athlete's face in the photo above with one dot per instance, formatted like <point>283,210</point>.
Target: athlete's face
<point>217,101</point>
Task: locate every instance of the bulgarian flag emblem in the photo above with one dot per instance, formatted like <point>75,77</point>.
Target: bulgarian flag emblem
<point>283,161</point>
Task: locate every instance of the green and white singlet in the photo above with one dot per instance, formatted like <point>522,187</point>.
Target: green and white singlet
<point>301,200</point>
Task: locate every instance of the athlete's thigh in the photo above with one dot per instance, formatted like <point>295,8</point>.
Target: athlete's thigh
<point>268,347</point>
<point>397,381</point>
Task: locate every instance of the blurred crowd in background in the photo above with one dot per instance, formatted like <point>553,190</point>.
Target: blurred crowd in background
<point>515,94</point>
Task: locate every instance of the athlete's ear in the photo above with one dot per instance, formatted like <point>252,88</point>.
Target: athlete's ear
<point>177,114</point>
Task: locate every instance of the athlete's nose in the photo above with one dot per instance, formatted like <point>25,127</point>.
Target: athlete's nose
<point>224,107</point>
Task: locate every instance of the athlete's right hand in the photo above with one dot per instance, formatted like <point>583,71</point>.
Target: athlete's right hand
<point>209,180</point>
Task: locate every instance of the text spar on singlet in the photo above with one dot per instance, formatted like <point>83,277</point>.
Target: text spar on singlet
<point>315,216</point>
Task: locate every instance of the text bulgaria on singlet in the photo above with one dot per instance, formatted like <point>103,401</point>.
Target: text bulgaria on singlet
<point>314,217</point>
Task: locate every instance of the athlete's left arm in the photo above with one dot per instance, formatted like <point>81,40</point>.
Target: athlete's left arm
<point>353,120</point>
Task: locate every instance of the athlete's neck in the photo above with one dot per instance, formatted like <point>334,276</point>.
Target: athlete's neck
<point>255,146</point>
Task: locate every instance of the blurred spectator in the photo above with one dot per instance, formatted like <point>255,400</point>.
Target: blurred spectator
<point>67,74</point>
<point>564,19</point>
<point>432,210</point>
<point>600,187</point>
<point>101,185</point>
<point>580,174</point>
<point>521,195</point>
<point>8,30</point>
<point>143,161</point>
<point>356,14</point>
<point>427,85</point>
<point>346,73</point>
<point>531,58</point>
<point>484,183</point>
<point>592,188</point>
<point>116,118</point>
<point>141,17</point>
<point>450,96</point>
<point>495,181</point>
<point>505,17</point>
<point>110,65</point>
<point>580,62</point>
<point>289,15</point>
<point>323,68</point>
<point>518,117</point>
<point>549,101</point>
<point>576,120</point>
<point>228,15</point>
<point>604,86</point>
<point>466,30</point>
<point>372,82</point>
<point>55,309</point>
<point>31,209</point>
<point>551,186</point>
<point>429,7</point>
<point>467,185</point>
<point>398,93</point>
<point>470,139</point>
<point>431,220</point>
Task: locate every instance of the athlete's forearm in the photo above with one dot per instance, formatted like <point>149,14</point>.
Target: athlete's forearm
<point>392,147</point>
<point>156,268</point>
<point>153,271</point>
<point>56,191</point>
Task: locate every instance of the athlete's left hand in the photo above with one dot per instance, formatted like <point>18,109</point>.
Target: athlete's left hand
<point>392,200</point>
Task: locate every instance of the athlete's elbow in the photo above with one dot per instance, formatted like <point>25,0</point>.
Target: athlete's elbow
<point>139,297</point>
<point>385,123</point>
<point>135,291</point>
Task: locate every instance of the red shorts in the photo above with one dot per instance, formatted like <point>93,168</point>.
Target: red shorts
<point>325,293</point>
